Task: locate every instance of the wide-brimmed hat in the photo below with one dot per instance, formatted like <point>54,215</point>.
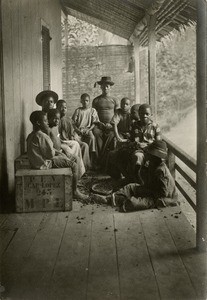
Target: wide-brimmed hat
<point>105,80</point>
<point>157,148</point>
<point>45,93</point>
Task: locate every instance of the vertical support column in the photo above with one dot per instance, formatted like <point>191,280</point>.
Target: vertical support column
<point>66,58</point>
<point>201,194</point>
<point>152,63</point>
<point>137,70</point>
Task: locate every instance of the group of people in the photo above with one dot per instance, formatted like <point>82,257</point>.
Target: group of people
<point>119,139</point>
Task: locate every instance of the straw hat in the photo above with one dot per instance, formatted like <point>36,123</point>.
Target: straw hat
<point>105,80</point>
<point>46,93</point>
<point>157,148</point>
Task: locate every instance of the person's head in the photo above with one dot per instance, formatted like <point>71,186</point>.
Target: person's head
<point>47,99</point>
<point>39,120</point>
<point>145,113</point>
<point>125,104</point>
<point>105,84</point>
<point>135,112</point>
<point>62,107</point>
<point>53,116</point>
<point>85,100</point>
<point>156,152</point>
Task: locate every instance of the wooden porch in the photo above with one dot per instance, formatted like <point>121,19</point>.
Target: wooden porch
<point>95,252</point>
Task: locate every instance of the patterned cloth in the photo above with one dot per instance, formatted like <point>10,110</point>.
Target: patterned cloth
<point>145,134</point>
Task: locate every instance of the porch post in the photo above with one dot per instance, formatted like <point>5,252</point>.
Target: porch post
<point>201,194</point>
<point>152,63</point>
<point>137,70</point>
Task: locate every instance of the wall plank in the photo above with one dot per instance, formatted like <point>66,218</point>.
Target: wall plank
<point>22,62</point>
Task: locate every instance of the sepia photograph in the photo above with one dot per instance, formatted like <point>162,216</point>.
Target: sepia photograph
<point>103,149</point>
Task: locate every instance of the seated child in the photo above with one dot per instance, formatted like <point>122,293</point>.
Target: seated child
<point>144,131</point>
<point>42,154</point>
<point>158,191</point>
<point>121,122</point>
<point>46,99</point>
<point>68,147</point>
<point>84,119</point>
<point>67,133</point>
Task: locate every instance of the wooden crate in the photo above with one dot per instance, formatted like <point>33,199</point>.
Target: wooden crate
<point>43,190</point>
<point>22,162</point>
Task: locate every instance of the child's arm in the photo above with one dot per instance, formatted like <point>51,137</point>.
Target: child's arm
<point>74,120</point>
<point>119,139</point>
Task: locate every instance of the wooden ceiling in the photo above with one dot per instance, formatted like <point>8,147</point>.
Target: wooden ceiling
<point>121,16</point>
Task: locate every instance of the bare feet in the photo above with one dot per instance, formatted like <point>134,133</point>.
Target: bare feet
<point>82,197</point>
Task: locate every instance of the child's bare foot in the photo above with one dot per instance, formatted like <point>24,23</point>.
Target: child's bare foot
<point>82,197</point>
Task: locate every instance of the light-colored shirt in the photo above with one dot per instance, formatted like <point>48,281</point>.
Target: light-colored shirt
<point>66,129</point>
<point>40,150</point>
<point>85,118</point>
<point>55,137</point>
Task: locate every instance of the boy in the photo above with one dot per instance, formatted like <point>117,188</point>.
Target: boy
<point>72,149</point>
<point>158,191</point>
<point>42,154</point>
<point>68,134</point>
<point>47,99</point>
<point>84,119</point>
<point>121,121</point>
<point>143,132</point>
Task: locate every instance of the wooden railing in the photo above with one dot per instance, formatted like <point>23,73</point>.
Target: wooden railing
<point>175,151</point>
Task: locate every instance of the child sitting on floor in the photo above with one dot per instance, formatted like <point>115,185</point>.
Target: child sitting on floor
<point>42,155</point>
<point>84,119</point>
<point>121,122</point>
<point>71,148</point>
<point>158,191</point>
<point>68,135</point>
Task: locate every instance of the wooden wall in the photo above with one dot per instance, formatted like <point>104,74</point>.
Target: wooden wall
<point>22,64</point>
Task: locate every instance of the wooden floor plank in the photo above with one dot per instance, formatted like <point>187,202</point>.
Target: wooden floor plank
<point>103,279</point>
<point>10,225</point>
<point>185,240</point>
<point>3,217</point>
<point>14,256</point>
<point>172,277</point>
<point>137,279</point>
<point>35,273</point>
<point>69,280</point>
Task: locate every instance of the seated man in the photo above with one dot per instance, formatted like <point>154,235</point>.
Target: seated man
<point>42,154</point>
<point>158,191</point>
<point>105,106</point>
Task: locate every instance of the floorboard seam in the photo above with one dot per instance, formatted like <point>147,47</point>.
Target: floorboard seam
<point>43,217</point>
<point>150,258</point>
<point>89,256</point>
<point>59,249</point>
<point>117,259</point>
